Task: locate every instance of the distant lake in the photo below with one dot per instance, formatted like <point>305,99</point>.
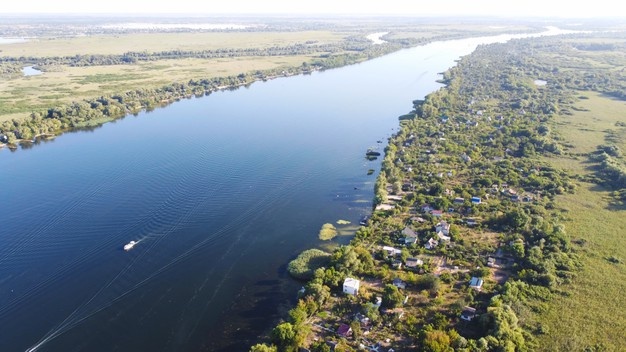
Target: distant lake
<point>31,71</point>
<point>220,192</point>
<point>12,40</point>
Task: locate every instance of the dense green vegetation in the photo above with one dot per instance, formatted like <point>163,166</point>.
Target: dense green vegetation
<point>480,160</point>
<point>307,262</point>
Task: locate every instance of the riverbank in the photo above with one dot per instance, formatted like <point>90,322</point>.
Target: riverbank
<point>475,250</point>
<point>144,83</point>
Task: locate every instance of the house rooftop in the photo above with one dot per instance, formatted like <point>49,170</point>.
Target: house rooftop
<point>476,282</point>
<point>408,232</point>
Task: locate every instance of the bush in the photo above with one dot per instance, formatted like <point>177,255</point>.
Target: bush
<point>307,262</point>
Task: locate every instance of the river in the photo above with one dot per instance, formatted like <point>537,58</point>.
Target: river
<point>220,192</point>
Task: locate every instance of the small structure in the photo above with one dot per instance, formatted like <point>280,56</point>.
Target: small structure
<point>491,262</point>
<point>391,251</point>
<point>384,207</point>
<point>476,200</point>
<point>436,213</point>
<point>379,302</point>
<point>476,283</point>
<point>459,200</point>
<point>409,240</point>
<point>443,227</point>
<point>426,208</point>
<point>351,286</point>
<point>443,237</point>
<point>406,187</point>
<point>418,219</point>
<point>471,222</point>
<point>408,232</point>
<point>397,282</point>
<point>364,220</point>
<point>397,264</point>
<point>431,244</point>
<point>344,330</point>
<point>413,263</point>
<point>468,313</point>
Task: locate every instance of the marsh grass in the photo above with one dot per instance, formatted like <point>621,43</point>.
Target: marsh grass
<point>328,232</point>
<point>592,310</point>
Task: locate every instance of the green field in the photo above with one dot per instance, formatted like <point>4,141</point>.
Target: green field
<point>62,84</point>
<point>19,97</point>
<point>592,312</point>
<point>155,42</point>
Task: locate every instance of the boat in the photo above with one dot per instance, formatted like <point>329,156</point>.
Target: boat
<point>371,152</point>
<point>129,245</point>
<point>364,220</point>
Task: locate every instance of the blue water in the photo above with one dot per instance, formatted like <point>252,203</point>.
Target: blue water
<point>220,191</point>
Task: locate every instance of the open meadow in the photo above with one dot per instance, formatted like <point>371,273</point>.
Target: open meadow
<point>591,311</point>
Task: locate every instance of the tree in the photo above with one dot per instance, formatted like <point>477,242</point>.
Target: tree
<point>284,335</point>
<point>319,292</point>
<point>392,297</point>
<point>298,314</point>
<point>261,347</point>
<point>371,311</point>
<point>516,219</point>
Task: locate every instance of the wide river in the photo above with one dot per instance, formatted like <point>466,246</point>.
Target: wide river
<point>220,192</point>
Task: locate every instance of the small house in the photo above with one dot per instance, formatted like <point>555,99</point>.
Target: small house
<point>397,282</point>
<point>418,219</point>
<point>344,330</point>
<point>476,200</point>
<point>443,227</point>
<point>351,286</point>
<point>408,232</point>
<point>413,263</point>
<point>409,240</point>
<point>431,244</point>
<point>397,264</point>
<point>471,222</point>
<point>476,283</point>
<point>468,314</point>
<point>443,237</point>
<point>391,251</point>
<point>426,208</point>
<point>459,200</point>
<point>406,187</point>
<point>436,213</point>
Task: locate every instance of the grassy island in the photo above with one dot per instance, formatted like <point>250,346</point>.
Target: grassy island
<point>506,190</point>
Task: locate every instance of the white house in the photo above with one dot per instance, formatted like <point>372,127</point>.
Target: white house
<point>351,286</point>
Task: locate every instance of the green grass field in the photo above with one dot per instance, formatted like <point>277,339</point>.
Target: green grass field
<point>593,312</point>
<point>156,42</point>
<point>19,97</point>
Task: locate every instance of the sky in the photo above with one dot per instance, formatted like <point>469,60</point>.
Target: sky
<point>500,8</point>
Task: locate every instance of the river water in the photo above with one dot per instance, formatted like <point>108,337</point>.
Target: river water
<point>220,192</point>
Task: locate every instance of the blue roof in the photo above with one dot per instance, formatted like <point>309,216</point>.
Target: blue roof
<point>476,282</point>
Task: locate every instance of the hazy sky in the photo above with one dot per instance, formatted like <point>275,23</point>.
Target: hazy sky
<point>542,8</point>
